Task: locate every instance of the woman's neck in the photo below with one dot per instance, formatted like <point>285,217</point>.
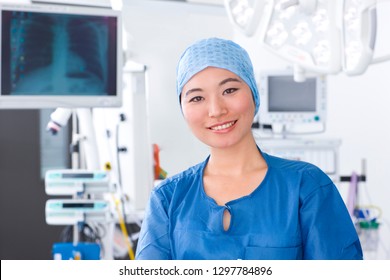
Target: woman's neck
<point>236,160</point>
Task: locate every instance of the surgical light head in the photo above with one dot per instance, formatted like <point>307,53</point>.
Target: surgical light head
<point>216,52</point>
<point>358,35</point>
<point>304,33</point>
<point>325,37</point>
<point>245,15</point>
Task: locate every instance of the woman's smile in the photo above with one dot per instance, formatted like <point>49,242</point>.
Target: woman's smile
<point>222,126</point>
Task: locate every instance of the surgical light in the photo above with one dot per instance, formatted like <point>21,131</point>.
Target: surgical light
<point>322,52</point>
<point>286,12</point>
<point>245,14</point>
<point>359,34</point>
<point>321,20</point>
<point>320,36</point>
<point>304,33</point>
<point>277,35</point>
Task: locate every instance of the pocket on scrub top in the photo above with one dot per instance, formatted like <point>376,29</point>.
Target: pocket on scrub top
<point>273,253</point>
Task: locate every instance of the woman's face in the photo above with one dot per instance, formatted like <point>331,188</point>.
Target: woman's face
<point>218,107</point>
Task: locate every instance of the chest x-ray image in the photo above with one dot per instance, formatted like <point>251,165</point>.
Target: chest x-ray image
<point>58,54</point>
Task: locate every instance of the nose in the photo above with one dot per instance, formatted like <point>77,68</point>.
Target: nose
<point>217,107</point>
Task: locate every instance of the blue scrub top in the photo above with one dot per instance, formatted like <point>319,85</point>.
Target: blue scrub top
<point>295,213</point>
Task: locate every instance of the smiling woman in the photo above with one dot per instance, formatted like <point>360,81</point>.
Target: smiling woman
<point>240,203</point>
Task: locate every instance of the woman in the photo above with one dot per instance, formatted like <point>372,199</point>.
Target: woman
<point>240,203</point>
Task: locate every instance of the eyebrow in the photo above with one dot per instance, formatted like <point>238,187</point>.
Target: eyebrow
<point>188,92</point>
<point>220,84</point>
<point>229,80</point>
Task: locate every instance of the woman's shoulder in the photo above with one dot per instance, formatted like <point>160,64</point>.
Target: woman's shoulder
<point>291,168</point>
<point>306,177</point>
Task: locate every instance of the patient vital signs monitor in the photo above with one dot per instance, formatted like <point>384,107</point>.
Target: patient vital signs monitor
<point>60,56</point>
<point>285,101</point>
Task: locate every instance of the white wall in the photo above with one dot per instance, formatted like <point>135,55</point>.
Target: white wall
<point>357,106</point>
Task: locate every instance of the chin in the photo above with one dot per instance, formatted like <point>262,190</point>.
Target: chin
<point>221,144</point>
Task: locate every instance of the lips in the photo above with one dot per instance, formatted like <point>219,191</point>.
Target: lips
<point>222,126</point>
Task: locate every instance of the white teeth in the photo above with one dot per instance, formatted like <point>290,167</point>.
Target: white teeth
<point>224,126</point>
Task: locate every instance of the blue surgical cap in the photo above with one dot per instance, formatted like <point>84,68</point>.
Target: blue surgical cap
<point>219,53</point>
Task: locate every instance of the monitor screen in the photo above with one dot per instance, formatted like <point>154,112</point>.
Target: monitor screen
<point>285,101</point>
<point>59,56</point>
<point>285,95</point>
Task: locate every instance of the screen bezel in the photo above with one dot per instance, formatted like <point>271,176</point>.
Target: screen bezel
<point>67,101</point>
<point>268,116</point>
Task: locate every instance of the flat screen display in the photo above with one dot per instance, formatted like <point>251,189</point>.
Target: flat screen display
<point>61,54</point>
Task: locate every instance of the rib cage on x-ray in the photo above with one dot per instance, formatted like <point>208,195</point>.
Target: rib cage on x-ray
<point>86,41</point>
<point>32,45</point>
<point>59,55</point>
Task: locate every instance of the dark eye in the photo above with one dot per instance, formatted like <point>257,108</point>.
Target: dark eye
<point>196,99</point>
<point>229,90</point>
